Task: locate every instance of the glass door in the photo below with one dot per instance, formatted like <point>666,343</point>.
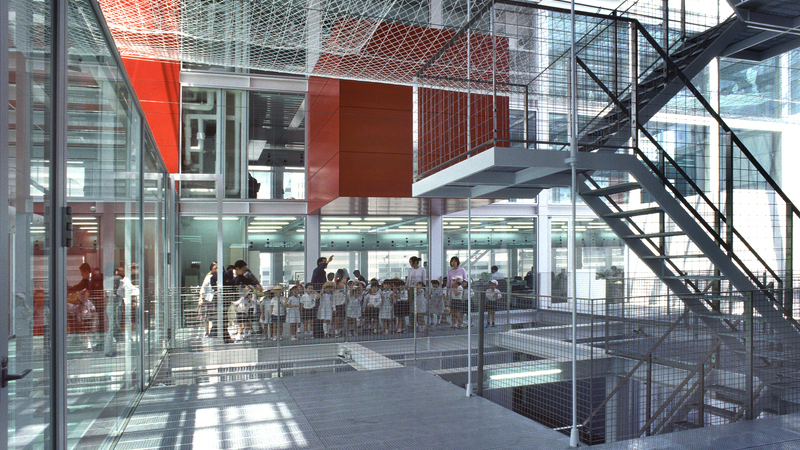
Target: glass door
<point>26,229</point>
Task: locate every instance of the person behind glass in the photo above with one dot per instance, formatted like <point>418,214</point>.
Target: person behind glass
<point>415,274</point>
<point>206,307</point>
<point>372,308</point>
<point>386,308</point>
<point>129,292</point>
<point>420,306</point>
<point>457,308</point>
<point>318,276</point>
<point>492,297</point>
<point>339,307</point>
<point>114,313</point>
<point>97,295</point>
<point>354,296</point>
<point>292,304</point>
<point>496,275</point>
<point>277,312</point>
<point>79,304</point>
<point>308,310</point>
<point>455,271</point>
<point>325,310</point>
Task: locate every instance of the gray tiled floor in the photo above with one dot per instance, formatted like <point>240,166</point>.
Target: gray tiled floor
<point>384,409</point>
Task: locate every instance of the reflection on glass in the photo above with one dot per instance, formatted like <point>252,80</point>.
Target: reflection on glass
<point>503,249</point>
<point>376,246</point>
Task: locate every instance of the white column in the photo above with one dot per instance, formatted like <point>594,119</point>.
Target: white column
<point>312,244</point>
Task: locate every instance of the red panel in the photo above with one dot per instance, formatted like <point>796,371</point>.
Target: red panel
<point>359,94</point>
<point>157,85</point>
<point>376,130</point>
<point>375,175</point>
<point>323,186</point>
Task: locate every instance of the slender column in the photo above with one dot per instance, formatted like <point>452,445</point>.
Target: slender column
<point>57,201</point>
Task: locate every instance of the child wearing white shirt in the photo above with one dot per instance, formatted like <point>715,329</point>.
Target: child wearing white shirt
<point>493,296</point>
<point>292,304</point>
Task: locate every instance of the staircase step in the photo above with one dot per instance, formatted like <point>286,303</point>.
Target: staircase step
<point>684,425</point>
<point>634,212</point>
<point>727,393</point>
<point>720,412</point>
<point>615,189</point>
<point>657,235</point>
<point>697,255</point>
<point>695,277</point>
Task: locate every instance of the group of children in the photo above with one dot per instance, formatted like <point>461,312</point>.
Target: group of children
<point>352,307</point>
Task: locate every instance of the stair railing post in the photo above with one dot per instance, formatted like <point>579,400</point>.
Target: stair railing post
<point>701,410</point>
<point>649,394</point>
<point>788,294</point>
<point>748,355</point>
<point>634,80</point>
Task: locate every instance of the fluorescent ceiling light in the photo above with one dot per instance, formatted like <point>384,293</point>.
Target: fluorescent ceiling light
<point>214,218</point>
<point>508,376</point>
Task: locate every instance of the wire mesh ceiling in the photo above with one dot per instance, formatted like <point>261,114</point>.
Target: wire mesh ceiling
<point>375,40</point>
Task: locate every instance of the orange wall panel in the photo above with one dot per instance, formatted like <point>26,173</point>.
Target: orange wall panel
<point>157,85</point>
<point>375,174</point>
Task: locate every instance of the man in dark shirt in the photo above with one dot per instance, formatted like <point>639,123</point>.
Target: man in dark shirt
<point>318,277</point>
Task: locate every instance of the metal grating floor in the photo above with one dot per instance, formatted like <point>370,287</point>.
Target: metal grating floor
<point>381,409</point>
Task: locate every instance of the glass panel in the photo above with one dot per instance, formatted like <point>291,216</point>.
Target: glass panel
<point>503,249</point>
<point>105,276</point>
<point>276,146</point>
<point>278,242</point>
<point>153,298</point>
<point>29,223</point>
<point>600,259</point>
<point>378,247</point>
<point>199,147</point>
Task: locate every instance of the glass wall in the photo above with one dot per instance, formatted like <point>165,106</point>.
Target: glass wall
<point>376,246</point>
<point>29,224</point>
<point>600,256</point>
<point>255,139</point>
<point>103,289</point>
<point>272,246</point>
<point>506,243</point>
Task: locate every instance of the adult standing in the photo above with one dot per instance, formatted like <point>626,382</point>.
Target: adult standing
<point>455,271</point>
<point>318,277</point>
<point>416,274</point>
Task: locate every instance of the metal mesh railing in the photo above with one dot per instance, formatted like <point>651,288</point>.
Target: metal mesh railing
<point>646,364</point>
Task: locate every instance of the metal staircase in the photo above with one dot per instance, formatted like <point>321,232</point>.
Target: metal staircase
<point>689,242</point>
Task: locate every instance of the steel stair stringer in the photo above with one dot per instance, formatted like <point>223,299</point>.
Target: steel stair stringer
<point>697,235</point>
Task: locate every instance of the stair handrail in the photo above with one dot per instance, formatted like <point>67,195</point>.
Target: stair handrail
<point>675,391</point>
<point>699,96</point>
<point>657,171</point>
<point>745,151</point>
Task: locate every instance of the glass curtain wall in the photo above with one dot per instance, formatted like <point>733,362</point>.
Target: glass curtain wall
<point>114,268</point>
<point>509,244</point>
<point>600,257</point>
<point>376,246</point>
<point>28,245</point>
<point>256,140</point>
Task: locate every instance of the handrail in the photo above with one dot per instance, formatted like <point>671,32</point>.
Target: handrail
<point>675,391</point>
<point>688,84</point>
<point>691,182</point>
